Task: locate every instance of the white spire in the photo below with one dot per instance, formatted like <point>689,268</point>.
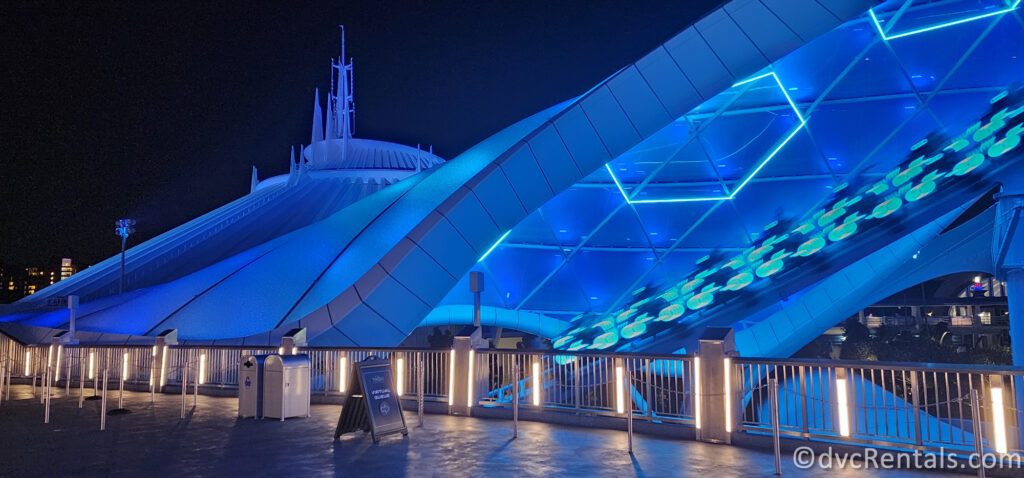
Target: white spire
<point>344,107</point>
<point>292,170</point>
<point>318,119</point>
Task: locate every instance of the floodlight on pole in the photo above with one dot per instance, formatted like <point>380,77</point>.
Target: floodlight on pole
<point>123,230</point>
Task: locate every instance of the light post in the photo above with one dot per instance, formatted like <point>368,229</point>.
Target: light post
<point>124,229</point>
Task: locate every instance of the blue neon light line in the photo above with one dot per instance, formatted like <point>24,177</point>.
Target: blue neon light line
<point>502,238</point>
<point>886,37</point>
<point>749,176</point>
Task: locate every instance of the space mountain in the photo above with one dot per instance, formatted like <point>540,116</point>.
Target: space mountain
<point>774,167</point>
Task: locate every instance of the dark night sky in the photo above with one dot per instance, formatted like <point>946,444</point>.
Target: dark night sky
<point>158,110</point>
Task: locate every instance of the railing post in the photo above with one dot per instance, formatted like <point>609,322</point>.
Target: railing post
<point>979,447</point>
<point>67,379</point>
<point>802,387</point>
<point>628,376</point>
<point>915,399</point>
<point>195,382</point>
<point>3,377</point>
<point>461,379</point>
<point>719,405</point>
<point>81,377</point>
<point>515,399</point>
<point>103,401</point>
<point>120,391</point>
<point>577,388</point>
<point>46,398</point>
<point>773,391</point>
<point>152,376</point>
<point>35,369</point>
<point>184,385</point>
<point>648,387</point>
<point>419,387</point>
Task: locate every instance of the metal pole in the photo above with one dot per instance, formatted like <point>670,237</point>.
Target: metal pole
<point>184,387</point>
<point>773,392</point>
<point>515,399</point>
<point>81,379</point>
<point>419,388</point>
<point>103,401</point>
<point>152,379</point>
<point>979,447</point>
<point>67,379</point>
<point>195,385</point>
<point>45,384</point>
<point>124,239</point>
<point>35,371</point>
<point>629,412</point>
<point>10,370</point>
<point>120,393</point>
<point>3,377</point>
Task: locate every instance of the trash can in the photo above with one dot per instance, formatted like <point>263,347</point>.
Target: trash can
<point>286,386</point>
<point>250,385</point>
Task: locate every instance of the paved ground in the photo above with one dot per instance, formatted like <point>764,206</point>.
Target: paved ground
<point>211,441</point>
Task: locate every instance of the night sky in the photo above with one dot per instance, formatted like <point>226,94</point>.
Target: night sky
<point>158,110</point>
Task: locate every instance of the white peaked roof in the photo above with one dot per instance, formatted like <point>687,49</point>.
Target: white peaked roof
<point>357,153</point>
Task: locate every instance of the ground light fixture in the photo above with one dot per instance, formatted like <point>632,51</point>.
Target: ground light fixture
<point>696,392</point>
<point>728,394</point>
<point>202,369</point>
<point>121,410</point>
<point>619,390</point>
<point>536,384</point>
<point>451,378</point>
<point>998,421</point>
<point>342,369</point>
<point>469,381</point>
<point>400,378</point>
<point>842,401</point>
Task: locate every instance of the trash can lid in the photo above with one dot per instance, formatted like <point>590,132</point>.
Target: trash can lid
<point>280,362</point>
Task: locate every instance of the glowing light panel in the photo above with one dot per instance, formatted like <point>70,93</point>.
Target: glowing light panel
<point>620,403</point>
<point>887,37</point>
<point>451,378</point>
<point>536,384</point>
<point>496,243</point>
<point>998,420</point>
<point>469,380</point>
<point>696,392</point>
<point>749,175</point>
<point>843,408</point>
<point>728,395</point>
<point>202,369</point>
<point>342,370</point>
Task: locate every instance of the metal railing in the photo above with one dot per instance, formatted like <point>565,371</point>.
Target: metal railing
<point>920,407</point>
<point>907,406</point>
<point>661,387</point>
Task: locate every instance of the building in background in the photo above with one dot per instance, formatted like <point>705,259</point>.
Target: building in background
<point>66,269</point>
<point>19,282</point>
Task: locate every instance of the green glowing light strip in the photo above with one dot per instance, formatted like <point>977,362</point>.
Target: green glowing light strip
<point>748,177</point>
<point>878,26</point>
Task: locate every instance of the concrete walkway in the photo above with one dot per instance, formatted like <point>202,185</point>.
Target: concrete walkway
<point>212,441</point>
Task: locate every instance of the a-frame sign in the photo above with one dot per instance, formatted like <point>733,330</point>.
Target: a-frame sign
<point>372,404</point>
